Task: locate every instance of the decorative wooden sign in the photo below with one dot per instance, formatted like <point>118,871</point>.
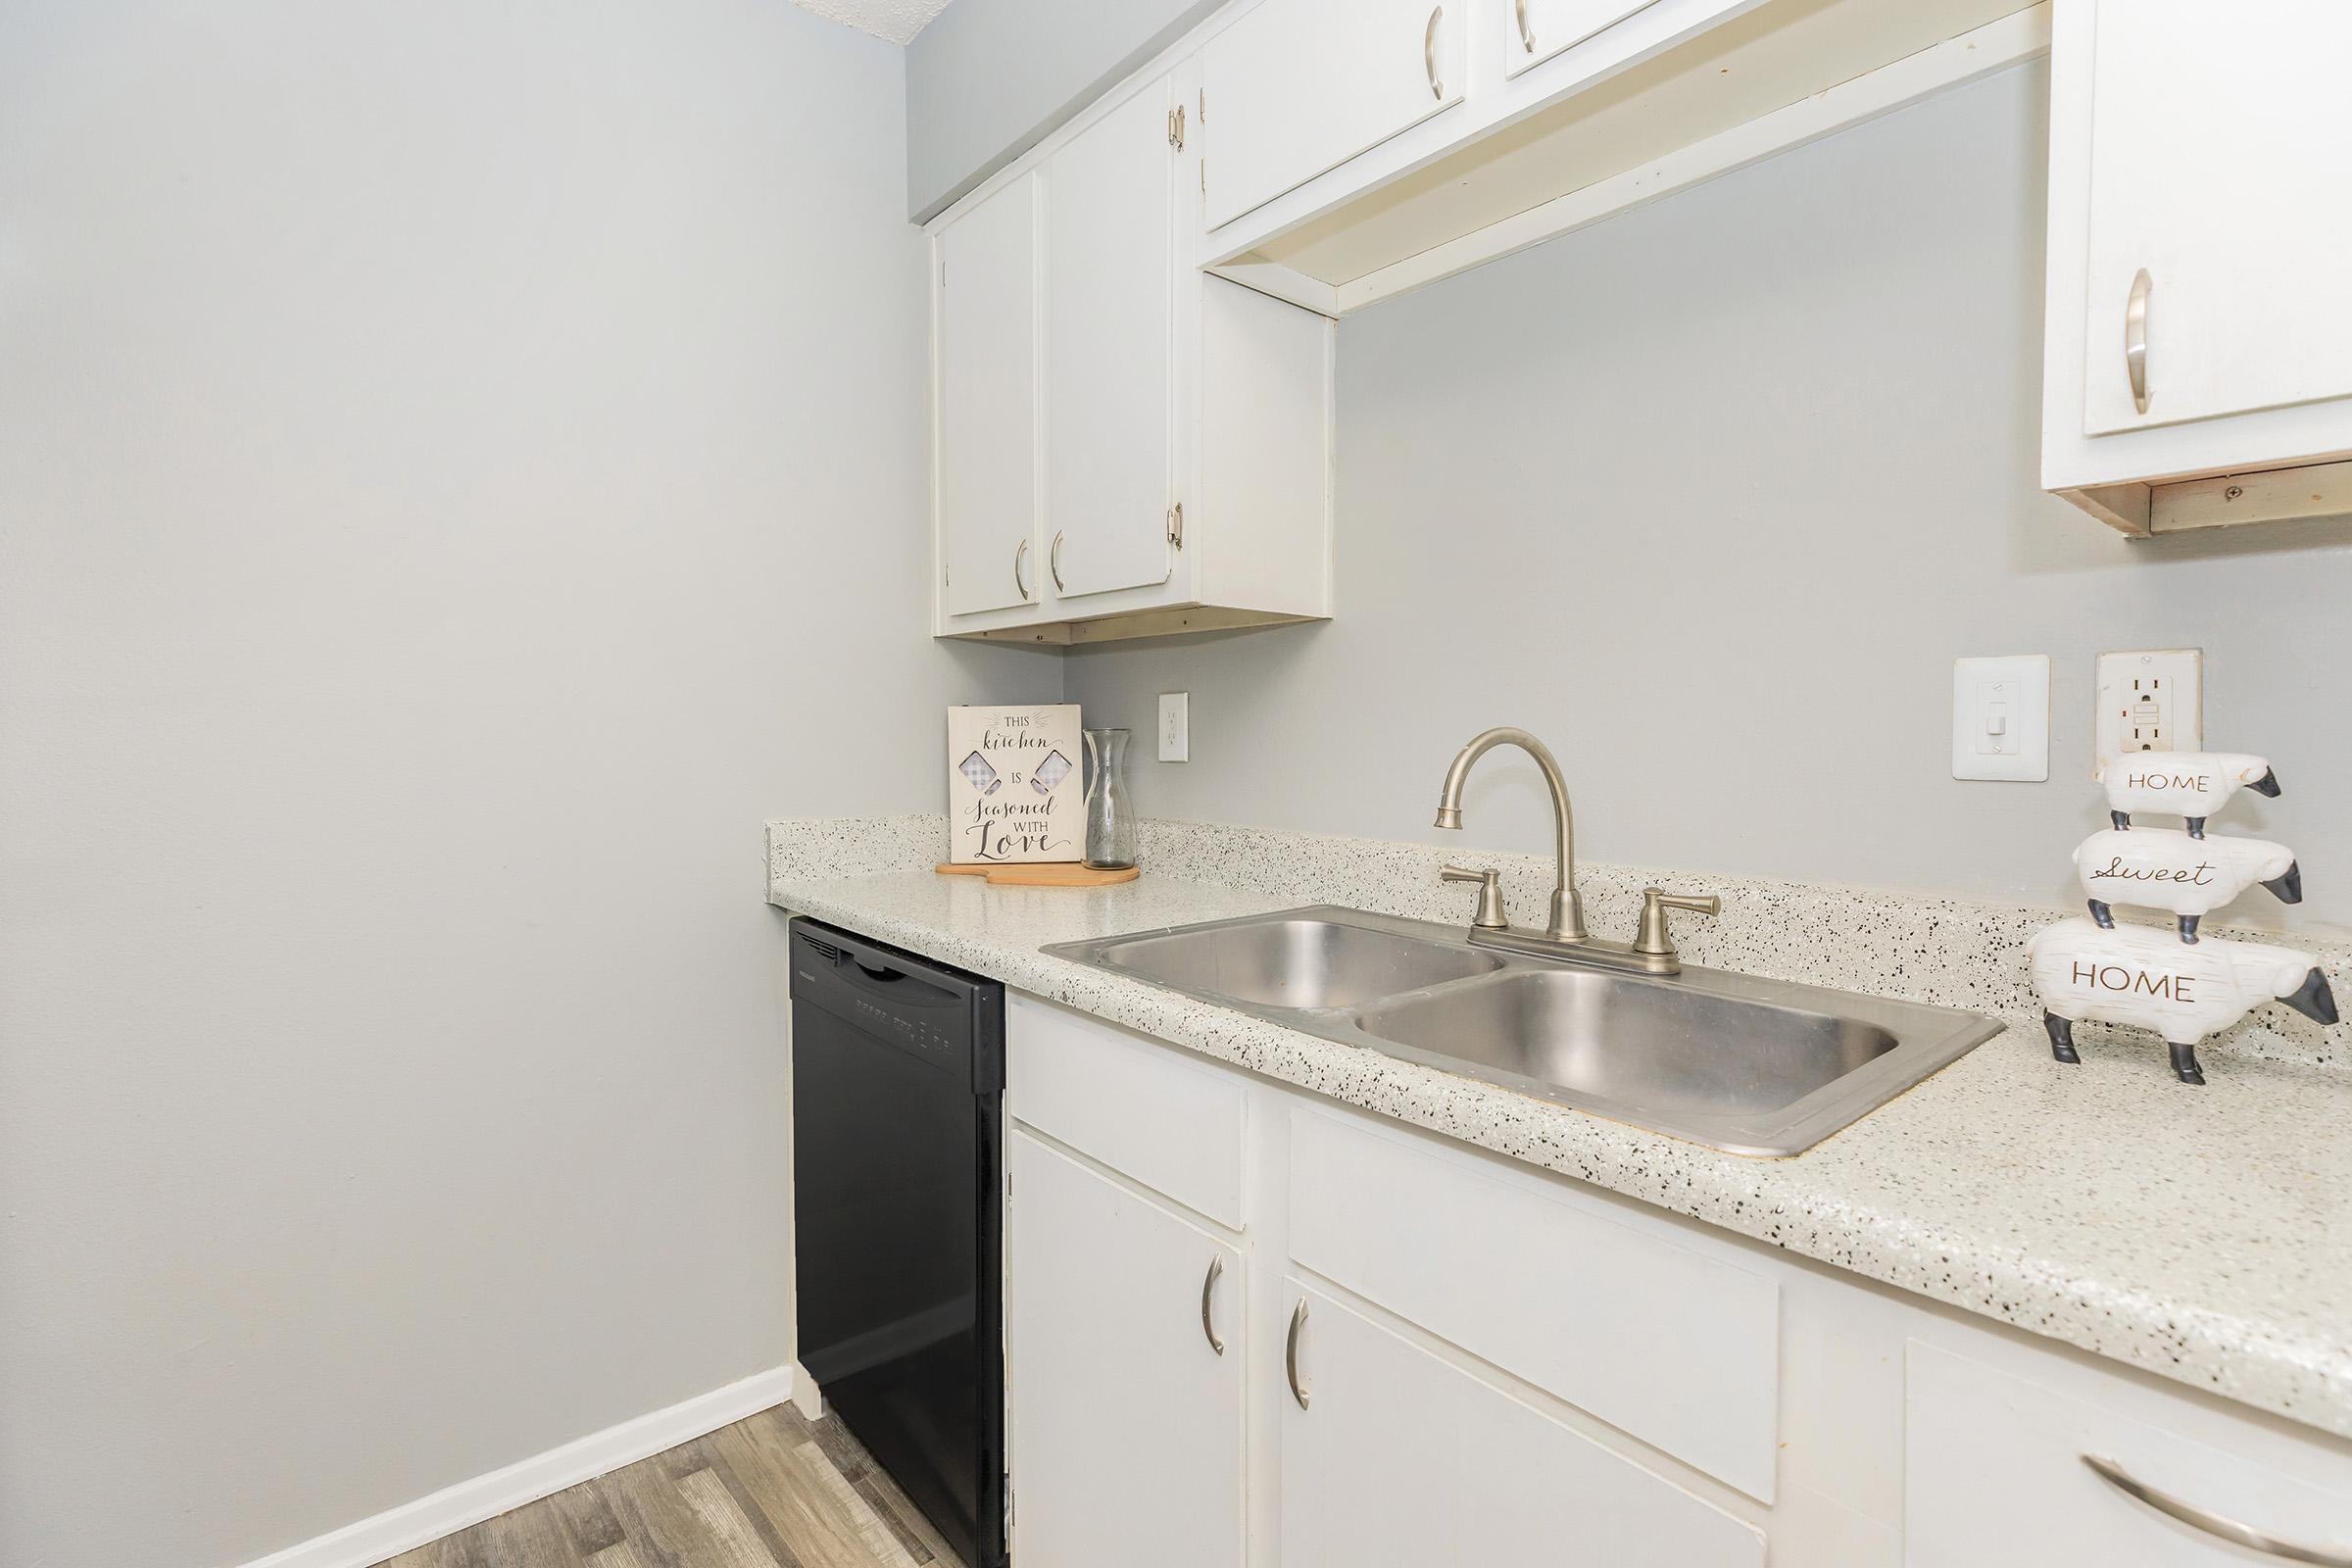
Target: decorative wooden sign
<point>1012,785</point>
<point>2191,785</point>
<point>2164,868</point>
<point>2143,977</point>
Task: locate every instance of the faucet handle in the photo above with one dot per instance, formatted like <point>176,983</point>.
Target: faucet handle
<point>1490,916</point>
<point>1654,938</point>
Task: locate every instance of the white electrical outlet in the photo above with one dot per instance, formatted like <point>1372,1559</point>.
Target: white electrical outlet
<point>2149,702</point>
<point>1175,727</point>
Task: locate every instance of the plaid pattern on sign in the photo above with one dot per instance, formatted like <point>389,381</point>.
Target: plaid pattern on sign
<point>1049,773</point>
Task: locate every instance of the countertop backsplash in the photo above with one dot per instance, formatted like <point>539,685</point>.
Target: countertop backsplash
<point>1956,952</point>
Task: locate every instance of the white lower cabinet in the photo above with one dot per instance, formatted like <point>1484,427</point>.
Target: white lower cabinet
<point>1401,1459</point>
<point>1978,1433</point>
<point>1126,1420</point>
<point>1434,1357</point>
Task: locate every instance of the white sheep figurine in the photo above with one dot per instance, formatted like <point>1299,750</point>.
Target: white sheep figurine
<point>2139,976</point>
<point>2163,868</point>
<point>2186,784</point>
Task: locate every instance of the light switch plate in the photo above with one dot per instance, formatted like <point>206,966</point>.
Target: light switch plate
<point>2153,701</point>
<point>2001,717</point>
<point>1175,727</point>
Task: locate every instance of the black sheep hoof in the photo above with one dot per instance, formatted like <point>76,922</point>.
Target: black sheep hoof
<point>2185,1063</point>
<point>2121,820</point>
<point>2196,826</point>
<point>2103,914</point>
<point>2189,927</point>
<point>2062,1036</point>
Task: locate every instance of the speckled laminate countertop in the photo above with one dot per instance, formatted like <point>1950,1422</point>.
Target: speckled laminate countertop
<point>2202,1235</point>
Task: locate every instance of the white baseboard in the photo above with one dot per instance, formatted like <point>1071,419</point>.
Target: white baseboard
<point>397,1530</point>
<point>806,1397</point>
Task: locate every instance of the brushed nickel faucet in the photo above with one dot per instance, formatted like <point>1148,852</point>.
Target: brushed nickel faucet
<point>1567,909</point>
<point>1564,936</point>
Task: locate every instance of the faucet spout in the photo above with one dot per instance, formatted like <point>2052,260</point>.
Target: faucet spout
<point>1567,909</point>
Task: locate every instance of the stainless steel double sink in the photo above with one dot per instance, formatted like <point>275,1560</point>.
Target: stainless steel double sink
<point>1752,1066</point>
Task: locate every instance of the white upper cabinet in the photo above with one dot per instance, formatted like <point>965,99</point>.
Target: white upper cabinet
<point>1542,28</point>
<point>2197,325</point>
<point>2221,154</point>
<point>1297,87</point>
<point>1111,254</point>
<point>987,405</point>
<point>1125,445</point>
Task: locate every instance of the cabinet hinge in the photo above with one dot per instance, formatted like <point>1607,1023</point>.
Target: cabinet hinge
<point>1176,127</point>
<point>1176,525</point>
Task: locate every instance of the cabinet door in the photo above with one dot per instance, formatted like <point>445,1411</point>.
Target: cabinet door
<point>2221,148</point>
<point>987,403</point>
<point>1543,28</point>
<point>1296,88</point>
<point>1126,1423</point>
<point>1109,322</point>
<point>1401,1460</point>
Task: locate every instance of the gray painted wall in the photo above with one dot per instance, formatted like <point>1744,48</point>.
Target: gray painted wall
<point>987,78</point>
<point>1710,496</point>
<point>459,478</point>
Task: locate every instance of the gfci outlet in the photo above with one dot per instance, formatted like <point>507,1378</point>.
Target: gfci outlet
<point>2151,701</point>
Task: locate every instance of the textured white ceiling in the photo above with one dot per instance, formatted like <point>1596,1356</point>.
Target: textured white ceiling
<point>896,20</point>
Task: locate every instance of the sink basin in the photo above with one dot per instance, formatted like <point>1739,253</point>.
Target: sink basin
<point>1749,1065</point>
<point>1292,961</point>
<point>1658,1046</point>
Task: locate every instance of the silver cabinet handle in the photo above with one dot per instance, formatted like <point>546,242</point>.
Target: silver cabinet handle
<point>1527,38</point>
<point>1290,1353</point>
<point>2212,1524</point>
<point>1208,1294</point>
<point>1053,562</point>
<point>1020,559</point>
<point>1429,53</point>
<point>2135,339</point>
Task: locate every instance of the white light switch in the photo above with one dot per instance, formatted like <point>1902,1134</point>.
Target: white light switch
<point>2001,717</point>
<point>1175,727</point>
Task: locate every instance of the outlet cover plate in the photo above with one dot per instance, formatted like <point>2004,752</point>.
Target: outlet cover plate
<point>2001,719</point>
<point>2149,700</point>
<point>1175,727</point>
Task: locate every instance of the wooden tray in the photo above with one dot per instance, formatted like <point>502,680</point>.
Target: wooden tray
<point>1047,875</point>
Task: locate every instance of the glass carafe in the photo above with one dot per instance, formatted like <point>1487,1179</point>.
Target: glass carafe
<point>1110,819</point>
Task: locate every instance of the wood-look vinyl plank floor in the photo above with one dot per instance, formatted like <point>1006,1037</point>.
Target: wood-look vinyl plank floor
<point>770,1492</point>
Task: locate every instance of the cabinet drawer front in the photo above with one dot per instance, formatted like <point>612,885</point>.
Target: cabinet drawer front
<point>1993,1472</point>
<point>1296,88</point>
<point>1679,1348</point>
<point>1402,1459</point>
<point>1140,1107</point>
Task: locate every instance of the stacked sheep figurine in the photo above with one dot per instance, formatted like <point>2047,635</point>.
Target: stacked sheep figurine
<point>2179,987</point>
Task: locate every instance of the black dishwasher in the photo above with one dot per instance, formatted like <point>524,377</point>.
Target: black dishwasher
<point>897,1077</point>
